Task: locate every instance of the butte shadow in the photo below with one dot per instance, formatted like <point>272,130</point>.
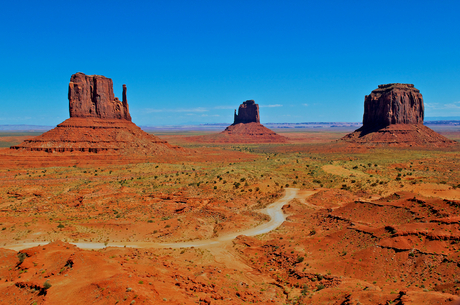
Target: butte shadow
<point>393,116</point>
<point>246,128</point>
<point>99,122</point>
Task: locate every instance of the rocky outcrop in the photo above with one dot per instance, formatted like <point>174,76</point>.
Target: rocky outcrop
<point>98,122</point>
<point>248,112</point>
<point>91,96</point>
<point>393,104</point>
<point>393,115</point>
<point>246,128</point>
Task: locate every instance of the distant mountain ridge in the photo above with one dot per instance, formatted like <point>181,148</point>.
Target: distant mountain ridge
<point>453,121</point>
<point>24,127</point>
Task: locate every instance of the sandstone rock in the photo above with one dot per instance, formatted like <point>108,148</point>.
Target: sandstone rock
<point>393,115</point>
<point>248,112</point>
<point>246,128</point>
<point>92,96</point>
<point>98,122</point>
<point>393,104</point>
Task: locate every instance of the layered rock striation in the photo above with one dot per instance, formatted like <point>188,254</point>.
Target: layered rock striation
<point>99,122</point>
<point>393,115</point>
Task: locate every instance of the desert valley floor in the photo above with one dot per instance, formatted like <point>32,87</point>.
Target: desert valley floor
<point>348,224</point>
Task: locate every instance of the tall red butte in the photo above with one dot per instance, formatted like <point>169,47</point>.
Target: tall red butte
<point>99,122</point>
<point>393,116</point>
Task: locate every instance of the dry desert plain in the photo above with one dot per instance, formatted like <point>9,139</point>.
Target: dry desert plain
<point>347,225</point>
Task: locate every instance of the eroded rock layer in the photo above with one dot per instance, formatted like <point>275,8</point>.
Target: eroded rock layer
<point>97,135</point>
<point>393,104</point>
<point>98,123</point>
<point>393,115</point>
<point>92,96</point>
<point>248,112</point>
<point>246,128</point>
<point>398,135</point>
<point>242,133</point>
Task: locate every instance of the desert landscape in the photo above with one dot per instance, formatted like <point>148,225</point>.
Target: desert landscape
<point>230,152</point>
<point>98,211</point>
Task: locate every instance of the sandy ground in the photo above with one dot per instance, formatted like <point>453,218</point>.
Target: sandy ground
<point>274,210</point>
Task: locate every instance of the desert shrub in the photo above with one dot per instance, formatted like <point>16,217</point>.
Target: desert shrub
<point>257,189</point>
<point>22,257</point>
<point>300,259</point>
<point>304,290</point>
<point>47,285</point>
<point>320,287</point>
<point>60,226</point>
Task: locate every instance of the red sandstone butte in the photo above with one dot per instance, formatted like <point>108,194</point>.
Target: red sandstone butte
<point>393,104</point>
<point>92,96</point>
<point>248,112</point>
<point>246,128</point>
<point>98,122</point>
<point>393,115</point>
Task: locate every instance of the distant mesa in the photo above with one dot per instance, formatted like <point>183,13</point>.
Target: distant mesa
<point>99,122</point>
<point>393,115</point>
<point>246,128</point>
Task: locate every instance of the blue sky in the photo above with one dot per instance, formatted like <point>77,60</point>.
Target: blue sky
<point>196,61</point>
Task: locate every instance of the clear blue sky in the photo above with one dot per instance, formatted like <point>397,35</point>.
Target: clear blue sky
<point>196,61</point>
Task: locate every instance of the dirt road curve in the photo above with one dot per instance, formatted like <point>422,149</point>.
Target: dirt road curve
<point>274,210</point>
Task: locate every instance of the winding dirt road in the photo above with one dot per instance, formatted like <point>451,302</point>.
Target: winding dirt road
<point>273,210</point>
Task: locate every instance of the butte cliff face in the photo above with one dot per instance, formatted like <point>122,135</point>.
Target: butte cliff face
<point>92,96</point>
<point>393,104</point>
<point>393,115</point>
<point>248,112</point>
<point>98,122</point>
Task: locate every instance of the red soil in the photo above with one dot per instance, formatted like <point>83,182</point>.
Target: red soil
<point>98,135</point>
<point>398,135</point>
